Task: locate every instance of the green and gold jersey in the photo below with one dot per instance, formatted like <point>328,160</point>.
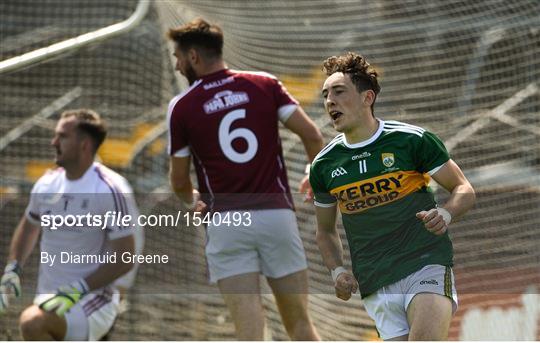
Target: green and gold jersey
<point>379,185</point>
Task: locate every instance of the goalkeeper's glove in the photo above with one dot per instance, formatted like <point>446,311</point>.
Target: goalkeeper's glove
<point>10,284</point>
<point>65,298</point>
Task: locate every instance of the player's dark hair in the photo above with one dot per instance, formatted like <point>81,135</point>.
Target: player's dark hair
<point>362,74</point>
<point>90,123</point>
<point>198,33</point>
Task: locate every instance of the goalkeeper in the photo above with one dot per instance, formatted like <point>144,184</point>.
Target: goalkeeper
<point>74,298</point>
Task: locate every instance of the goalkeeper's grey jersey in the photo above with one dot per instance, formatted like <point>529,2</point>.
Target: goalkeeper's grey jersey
<point>68,212</point>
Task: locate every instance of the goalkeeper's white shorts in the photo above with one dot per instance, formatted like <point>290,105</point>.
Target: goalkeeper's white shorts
<point>388,306</point>
<point>271,245</point>
<point>92,317</point>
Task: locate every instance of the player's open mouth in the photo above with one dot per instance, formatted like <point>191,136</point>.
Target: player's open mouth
<point>335,114</point>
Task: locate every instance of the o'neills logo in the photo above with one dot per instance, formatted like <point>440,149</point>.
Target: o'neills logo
<point>224,100</point>
<point>429,282</point>
<point>359,196</point>
<point>362,155</point>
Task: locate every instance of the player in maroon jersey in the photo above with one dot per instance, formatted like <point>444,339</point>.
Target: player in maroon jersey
<point>227,121</point>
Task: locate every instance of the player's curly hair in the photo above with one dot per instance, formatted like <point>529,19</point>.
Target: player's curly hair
<point>90,123</point>
<point>200,34</point>
<point>362,74</point>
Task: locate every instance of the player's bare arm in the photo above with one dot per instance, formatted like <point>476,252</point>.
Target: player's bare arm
<point>181,183</point>
<point>108,272</point>
<point>328,238</point>
<point>305,128</point>
<point>300,123</point>
<point>331,250</point>
<point>461,199</point>
<point>24,240</point>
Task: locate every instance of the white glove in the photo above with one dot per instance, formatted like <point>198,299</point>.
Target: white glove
<point>10,284</point>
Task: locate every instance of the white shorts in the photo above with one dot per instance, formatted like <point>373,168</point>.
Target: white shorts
<point>91,318</point>
<point>388,306</point>
<point>270,245</point>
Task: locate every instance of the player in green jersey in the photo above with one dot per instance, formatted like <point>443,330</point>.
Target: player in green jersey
<point>377,173</point>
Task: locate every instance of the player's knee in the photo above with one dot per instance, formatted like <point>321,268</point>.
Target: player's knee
<point>428,335</point>
<point>302,329</point>
<point>305,332</point>
<point>32,323</point>
<point>434,332</point>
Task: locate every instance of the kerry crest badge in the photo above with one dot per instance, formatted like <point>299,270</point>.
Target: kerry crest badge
<point>387,159</point>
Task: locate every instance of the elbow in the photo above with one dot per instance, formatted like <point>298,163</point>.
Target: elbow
<point>126,264</point>
<point>468,189</point>
<point>472,195</point>
<point>467,195</point>
<point>124,268</point>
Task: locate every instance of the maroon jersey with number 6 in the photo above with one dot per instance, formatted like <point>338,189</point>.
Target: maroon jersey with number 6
<point>228,122</point>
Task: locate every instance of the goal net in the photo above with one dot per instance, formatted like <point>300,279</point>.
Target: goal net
<point>467,71</point>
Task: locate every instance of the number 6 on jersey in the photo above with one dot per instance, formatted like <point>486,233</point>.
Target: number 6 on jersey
<point>226,136</point>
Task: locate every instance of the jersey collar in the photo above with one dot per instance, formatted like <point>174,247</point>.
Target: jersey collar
<point>86,174</point>
<point>214,74</point>
<point>367,141</point>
